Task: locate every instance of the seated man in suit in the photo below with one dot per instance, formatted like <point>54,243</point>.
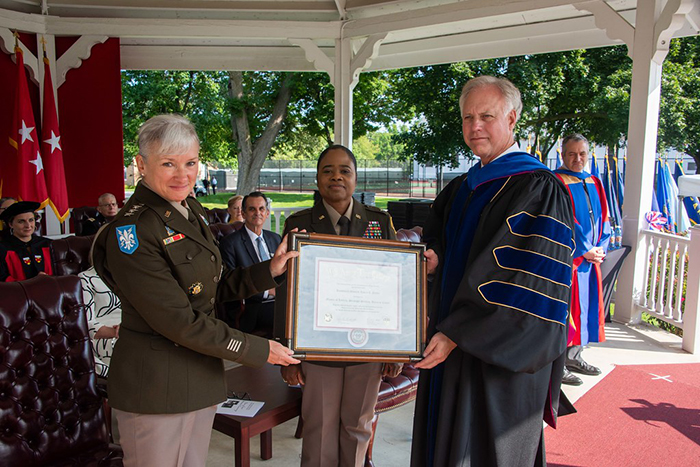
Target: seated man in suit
<point>107,209</point>
<point>244,248</point>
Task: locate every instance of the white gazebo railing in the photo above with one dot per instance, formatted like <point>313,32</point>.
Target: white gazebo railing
<point>672,282</point>
<point>275,222</point>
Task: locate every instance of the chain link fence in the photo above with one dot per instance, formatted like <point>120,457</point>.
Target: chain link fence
<point>387,178</point>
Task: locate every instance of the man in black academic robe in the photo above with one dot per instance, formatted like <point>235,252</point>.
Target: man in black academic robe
<point>500,240</point>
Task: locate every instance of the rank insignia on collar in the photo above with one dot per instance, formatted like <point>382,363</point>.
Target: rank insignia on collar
<point>169,231</point>
<point>358,216</point>
<point>196,288</point>
<point>173,239</point>
<point>126,236</point>
<point>27,260</point>
<point>373,230</point>
<point>37,258</point>
<point>167,214</point>
<point>204,219</point>
<point>321,217</point>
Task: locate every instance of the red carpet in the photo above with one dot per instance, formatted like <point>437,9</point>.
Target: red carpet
<point>639,415</point>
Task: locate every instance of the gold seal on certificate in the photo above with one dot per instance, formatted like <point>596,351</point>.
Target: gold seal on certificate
<point>355,299</point>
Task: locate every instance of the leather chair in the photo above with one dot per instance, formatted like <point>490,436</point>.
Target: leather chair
<point>410,235</point>
<point>393,393</point>
<point>52,414</point>
<point>71,255</point>
<point>217,215</point>
<point>79,215</point>
<point>220,230</point>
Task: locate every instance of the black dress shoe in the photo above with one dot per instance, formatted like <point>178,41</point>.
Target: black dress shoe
<point>571,379</point>
<point>579,366</point>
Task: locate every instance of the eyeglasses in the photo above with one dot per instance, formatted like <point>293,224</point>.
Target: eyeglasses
<point>233,395</point>
<point>113,205</point>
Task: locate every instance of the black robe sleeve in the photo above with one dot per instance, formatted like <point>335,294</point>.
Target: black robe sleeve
<point>511,307</point>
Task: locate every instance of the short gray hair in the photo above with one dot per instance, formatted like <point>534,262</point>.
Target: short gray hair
<point>511,94</point>
<point>103,197</point>
<point>167,134</point>
<point>575,137</point>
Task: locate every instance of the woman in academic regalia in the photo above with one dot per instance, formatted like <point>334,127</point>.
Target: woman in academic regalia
<point>23,255</point>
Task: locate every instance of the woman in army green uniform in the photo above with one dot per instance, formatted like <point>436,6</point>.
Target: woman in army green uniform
<point>159,257</point>
<point>339,397</point>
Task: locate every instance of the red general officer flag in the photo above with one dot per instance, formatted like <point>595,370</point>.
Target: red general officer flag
<point>53,154</point>
<point>28,167</point>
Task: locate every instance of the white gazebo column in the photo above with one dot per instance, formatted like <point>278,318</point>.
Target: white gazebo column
<point>343,85</point>
<point>653,30</point>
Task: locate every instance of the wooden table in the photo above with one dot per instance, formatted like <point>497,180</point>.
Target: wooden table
<point>282,403</point>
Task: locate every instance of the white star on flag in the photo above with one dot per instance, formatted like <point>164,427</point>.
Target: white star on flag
<point>26,132</point>
<point>38,162</point>
<point>54,142</point>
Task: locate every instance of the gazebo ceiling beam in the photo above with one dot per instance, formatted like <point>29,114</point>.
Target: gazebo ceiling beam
<point>207,58</point>
<point>128,27</point>
<point>447,14</point>
<point>554,36</point>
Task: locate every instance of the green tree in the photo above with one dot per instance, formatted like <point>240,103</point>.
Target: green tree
<point>200,96</point>
<point>679,120</point>
<point>259,106</point>
<point>579,90</point>
<point>364,148</point>
<point>384,142</point>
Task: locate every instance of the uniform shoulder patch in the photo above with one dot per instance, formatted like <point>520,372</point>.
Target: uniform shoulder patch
<point>127,239</point>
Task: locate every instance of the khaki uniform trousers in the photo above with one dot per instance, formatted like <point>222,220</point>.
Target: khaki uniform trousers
<point>337,409</point>
<point>165,440</point>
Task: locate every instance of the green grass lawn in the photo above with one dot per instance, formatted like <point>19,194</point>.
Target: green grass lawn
<point>279,200</point>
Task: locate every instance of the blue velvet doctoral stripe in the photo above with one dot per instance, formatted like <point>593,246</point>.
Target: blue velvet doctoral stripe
<point>533,263</point>
<point>525,224</point>
<point>521,298</point>
<point>508,165</point>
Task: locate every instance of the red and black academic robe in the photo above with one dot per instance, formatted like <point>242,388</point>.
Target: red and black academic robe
<point>587,323</point>
<point>484,405</point>
<point>24,260</point>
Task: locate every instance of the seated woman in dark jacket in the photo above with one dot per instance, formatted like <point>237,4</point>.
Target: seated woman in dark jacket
<point>23,255</point>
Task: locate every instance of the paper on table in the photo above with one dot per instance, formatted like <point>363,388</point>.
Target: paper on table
<point>240,408</point>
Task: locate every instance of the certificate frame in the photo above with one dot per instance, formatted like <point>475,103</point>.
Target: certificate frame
<point>337,280</point>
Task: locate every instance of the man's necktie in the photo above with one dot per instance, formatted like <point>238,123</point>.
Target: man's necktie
<point>344,224</point>
<point>261,249</point>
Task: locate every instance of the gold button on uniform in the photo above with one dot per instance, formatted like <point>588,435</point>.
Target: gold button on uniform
<point>211,301</point>
<point>216,279</point>
<point>213,259</point>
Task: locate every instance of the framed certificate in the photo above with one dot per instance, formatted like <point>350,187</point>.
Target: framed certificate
<point>356,299</point>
